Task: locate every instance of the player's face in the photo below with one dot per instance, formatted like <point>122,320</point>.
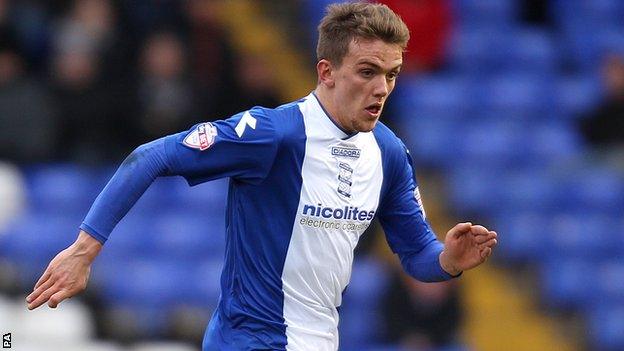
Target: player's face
<point>364,81</point>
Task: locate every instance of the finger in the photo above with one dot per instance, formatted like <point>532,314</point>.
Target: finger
<point>45,296</point>
<point>43,287</point>
<point>490,243</point>
<point>480,239</point>
<point>460,229</point>
<point>43,279</point>
<point>58,298</point>
<point>479,230</point>
<point>485,253</point>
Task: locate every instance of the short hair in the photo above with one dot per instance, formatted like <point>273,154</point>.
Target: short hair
<point>344,22</point>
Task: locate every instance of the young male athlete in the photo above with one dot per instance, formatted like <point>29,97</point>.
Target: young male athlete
<point>306,179</point>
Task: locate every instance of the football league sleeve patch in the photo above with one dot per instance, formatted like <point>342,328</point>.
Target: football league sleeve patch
<point>201,137</point>
<point>242,147</point>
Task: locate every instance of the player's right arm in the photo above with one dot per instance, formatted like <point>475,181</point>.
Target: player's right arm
<point>241,147</point>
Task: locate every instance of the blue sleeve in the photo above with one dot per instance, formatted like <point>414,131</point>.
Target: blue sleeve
<point>132,178</point>
<point>242,147</point>
<point>402,217</point>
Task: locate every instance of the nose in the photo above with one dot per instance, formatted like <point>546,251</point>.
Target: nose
<point>382,87</point>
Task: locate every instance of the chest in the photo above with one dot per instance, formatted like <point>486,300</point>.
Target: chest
<point>339,174</point>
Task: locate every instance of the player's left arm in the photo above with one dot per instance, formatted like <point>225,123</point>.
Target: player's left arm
<point>466,246</point>
<point>410,236</point>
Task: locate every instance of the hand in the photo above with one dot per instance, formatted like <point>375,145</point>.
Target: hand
<point>67,274</point>
<point>466,246</point>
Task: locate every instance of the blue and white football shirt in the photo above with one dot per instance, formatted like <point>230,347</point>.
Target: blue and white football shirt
<point>301,193</point>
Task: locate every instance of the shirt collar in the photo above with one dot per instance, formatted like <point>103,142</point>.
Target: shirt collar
<point>341,133</point>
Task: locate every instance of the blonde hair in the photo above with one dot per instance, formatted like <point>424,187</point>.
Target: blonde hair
<point>350,21</point>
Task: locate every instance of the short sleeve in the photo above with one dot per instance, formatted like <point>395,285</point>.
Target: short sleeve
<point>242,147</point>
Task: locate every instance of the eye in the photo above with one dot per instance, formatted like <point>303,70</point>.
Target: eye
<point>367,73</point>
<point>392,75</point>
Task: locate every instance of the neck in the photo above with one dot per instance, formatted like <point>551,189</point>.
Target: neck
<point>329,105</point>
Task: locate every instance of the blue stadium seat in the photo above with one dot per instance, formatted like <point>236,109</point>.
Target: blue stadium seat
<point>180,234</point>
<point>506,190</point>
<point>585,49</point>
<point>567,282</point>
<point>480,50</point>
<point>551,141</point>
<point>62,188</point>
<point>606,327</point>
<point>33,239</point>
<point>592,188</point>
<point>209,197</point>
<point>531,189</point>
<point>485,12</point>
<point>610,280</point>
<point>133,236</point>
<point>612,40</point>
<point>383,347</point>
<point>530,50</point>
<point>492,142</point>
<point>165,282</point>
<point>517,93</point>
<point>578,12</point>
<point>360,327</point>
<point>369,278</point>
<point>158,198</point>
<point>522,233</point>
<point>475,50</point>
<point>372,348</point>
<point>435,97</point>
<point>618,234</point>
<point>143,283</point>
<point>428,140</point>
<point>584,234</point>
<point>205,287</point>
<point>311,14</point>
<point>467,185</point>
<point>577,95</point>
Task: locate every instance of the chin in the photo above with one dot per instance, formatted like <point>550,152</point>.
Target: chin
<point>366,127</point>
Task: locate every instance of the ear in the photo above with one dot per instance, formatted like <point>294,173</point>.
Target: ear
<point>325,70</point>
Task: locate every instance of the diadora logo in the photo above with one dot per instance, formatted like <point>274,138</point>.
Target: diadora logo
<point>347,212</point>
<point>345,152</point>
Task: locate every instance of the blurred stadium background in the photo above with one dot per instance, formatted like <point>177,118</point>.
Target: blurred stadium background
<point>512,109</point>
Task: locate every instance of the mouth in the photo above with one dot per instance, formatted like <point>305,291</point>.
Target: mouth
<point>374,109</point>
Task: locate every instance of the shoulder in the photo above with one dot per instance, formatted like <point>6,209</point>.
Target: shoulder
<point>278,115</point>
<point>284,111</point>
<point>396,160</point>
<point>286,120</point>
<point>389,143</point>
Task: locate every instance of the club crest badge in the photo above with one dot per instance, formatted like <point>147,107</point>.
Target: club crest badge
<point>345,175</point>
<point>202,137</point>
